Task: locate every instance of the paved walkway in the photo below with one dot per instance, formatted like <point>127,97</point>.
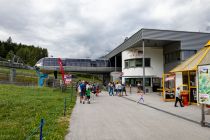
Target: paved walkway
<point>191,112</point>
<point>116,118</point>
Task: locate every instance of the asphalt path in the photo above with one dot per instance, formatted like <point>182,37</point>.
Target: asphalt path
<point>115,118</point>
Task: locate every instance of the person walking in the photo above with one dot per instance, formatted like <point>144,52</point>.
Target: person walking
<point>141,98</point>
<point>178,98</point>
<point>118,88</point>
<point>82,93</point>
<point>138,87</point>
<point>88,92</point>
<point>124,89</point>
<point>111,89</point>
<point>93,91</point>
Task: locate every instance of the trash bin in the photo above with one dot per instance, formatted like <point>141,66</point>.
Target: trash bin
<point>147,90</point>
<point>185,98</point>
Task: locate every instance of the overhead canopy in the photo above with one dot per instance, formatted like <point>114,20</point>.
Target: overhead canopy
<point>200,58</point>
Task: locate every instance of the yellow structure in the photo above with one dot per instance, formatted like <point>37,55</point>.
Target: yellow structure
<point>168,91</point>
<point>189,69</point>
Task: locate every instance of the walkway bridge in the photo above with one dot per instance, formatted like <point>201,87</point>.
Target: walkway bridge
<point>100,66</point>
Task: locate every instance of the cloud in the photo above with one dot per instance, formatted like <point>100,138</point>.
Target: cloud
<point>86,28</point>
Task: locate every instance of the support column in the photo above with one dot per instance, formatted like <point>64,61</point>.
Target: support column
<point>115,63</point>
<point>12,75</point>
<point>143,61</point>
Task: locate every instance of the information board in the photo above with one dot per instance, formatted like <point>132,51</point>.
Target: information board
<point>204,84</point>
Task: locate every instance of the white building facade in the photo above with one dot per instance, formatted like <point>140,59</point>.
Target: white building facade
<point>132,66</point>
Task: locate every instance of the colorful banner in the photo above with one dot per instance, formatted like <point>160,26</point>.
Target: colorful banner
<point>204,84</point>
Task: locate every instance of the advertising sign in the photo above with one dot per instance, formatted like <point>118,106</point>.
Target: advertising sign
<point>204,84</point>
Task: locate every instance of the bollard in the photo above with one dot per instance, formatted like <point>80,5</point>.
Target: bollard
<point>64,113</point>
<point>202,116</point>
<point>41,126</point>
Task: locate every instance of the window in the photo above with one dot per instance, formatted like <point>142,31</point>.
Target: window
<point>187,53</point>
<point>138,62</point>
<point>147,81</point>
<point>147,62</point>
<point>126,64</point>
<point>132,63</point>
<point>134,81</point>
<point>172,57</point>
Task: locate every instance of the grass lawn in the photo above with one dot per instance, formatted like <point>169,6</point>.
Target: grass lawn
<point>21,109</point>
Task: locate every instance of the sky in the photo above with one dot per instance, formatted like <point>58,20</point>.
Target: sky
<point>92,28</point>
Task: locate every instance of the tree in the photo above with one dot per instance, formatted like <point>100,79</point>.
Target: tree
<point>10,55</point>
<point>24,54</point>
<point>2,51</point>
<point>29,54</point>
<point>9,40</point>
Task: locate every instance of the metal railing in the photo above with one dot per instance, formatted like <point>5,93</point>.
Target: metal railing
<point>13,65</point>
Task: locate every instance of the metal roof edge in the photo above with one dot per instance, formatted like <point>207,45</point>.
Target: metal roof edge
<point>176,31</point>
<point>139,31</point>
<point>142,30</point>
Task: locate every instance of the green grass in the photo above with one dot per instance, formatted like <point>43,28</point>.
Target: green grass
<point>18,71</point>
<point>30,76</point>
<point>21,109</point>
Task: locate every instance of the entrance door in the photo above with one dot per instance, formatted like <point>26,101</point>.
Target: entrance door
<point>156,82</point>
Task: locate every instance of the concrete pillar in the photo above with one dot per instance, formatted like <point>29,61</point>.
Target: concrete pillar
<point>12,74</point>
<point>115,63</point>
<point>143,61</point>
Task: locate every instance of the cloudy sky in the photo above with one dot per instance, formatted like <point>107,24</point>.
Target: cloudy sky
<point>92,28</point>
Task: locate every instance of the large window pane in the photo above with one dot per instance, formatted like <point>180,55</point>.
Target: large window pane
<point>147,62</point>
<point>172,57</point>
<point>138,62</point>
<point>132,63</point>
<point>147,81</point>
<point>187,53</point>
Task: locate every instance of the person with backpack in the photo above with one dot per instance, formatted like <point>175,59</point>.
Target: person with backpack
<point>82,93</point>
<point>124,89</point>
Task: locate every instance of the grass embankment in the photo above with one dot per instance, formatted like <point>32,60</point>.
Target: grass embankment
<point>22,75</point>
<point>30,76</point>
<point>21,109</point>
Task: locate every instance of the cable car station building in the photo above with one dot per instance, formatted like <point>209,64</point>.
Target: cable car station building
<point>162,50</point>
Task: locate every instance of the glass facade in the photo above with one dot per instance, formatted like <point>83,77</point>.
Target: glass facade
<point>187,53</point>
<point>75,62</point>
<point>134,81</point>
<point>172,57</point>
<point>138,62</point>
<point>178,55</point>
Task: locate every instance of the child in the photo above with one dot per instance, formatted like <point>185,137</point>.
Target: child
<point>141,98</point>
<point>88,94</point>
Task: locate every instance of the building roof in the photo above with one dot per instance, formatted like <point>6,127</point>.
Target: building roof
<point>202,57</point>
<point>189,40</point>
